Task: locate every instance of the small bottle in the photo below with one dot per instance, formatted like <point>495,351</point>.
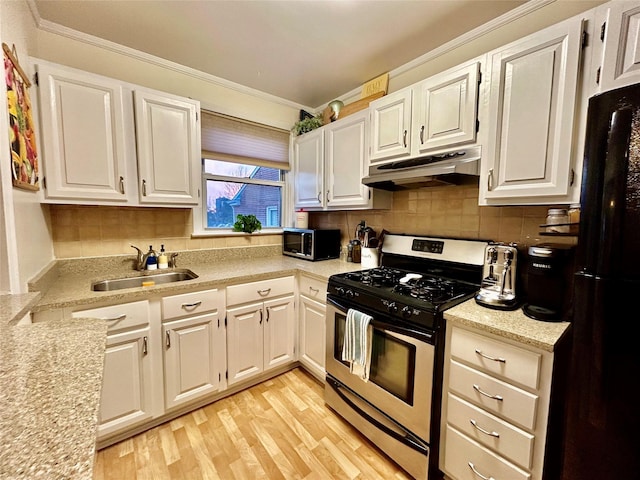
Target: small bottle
<point>557,221</point>
<point>163,260</point>
<point>152,260</point>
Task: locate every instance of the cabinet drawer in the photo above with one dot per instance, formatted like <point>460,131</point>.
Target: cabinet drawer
<point>462,456</point>
<point>254,291</point>
<point>515,444</point>
<point>512,403</point>
<point>119,317</point>
<point>513,363</point>
<point>313,288</point>
<point>192,303</point>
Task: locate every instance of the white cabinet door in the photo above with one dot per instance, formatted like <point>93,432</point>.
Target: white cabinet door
<point>445,109</point>
<point>308,169</point>
<point>279,332</point>
<point>83,135</point>
<point>126,383</point>
<point>168,138</point>
<point>312,336</point>
<point>190,358</point>
<point>531,107</point>
<point>621,61</point>
<point>244,342</point>
<point>345,149</point>
<point>391,126</point>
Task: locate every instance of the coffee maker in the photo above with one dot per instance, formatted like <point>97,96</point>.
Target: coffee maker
<point>546,280</point>
<point>498,287</point>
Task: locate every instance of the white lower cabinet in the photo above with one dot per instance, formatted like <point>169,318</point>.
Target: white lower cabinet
<point>194,346</point>
<point>495,407</point>
<point>312,298</point>
<point>261,327</point>
<point>127,386</point>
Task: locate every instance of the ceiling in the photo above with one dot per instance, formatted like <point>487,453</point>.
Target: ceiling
<point>306,51</point>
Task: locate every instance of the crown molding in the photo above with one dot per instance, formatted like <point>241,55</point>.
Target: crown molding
<point>505,19</point>
<point>468,37</point>
<point>57,29</point>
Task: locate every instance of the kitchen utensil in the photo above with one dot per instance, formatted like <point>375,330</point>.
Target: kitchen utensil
<point>498,287</point>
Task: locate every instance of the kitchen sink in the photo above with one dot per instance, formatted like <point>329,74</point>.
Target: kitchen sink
<point>147,280</point>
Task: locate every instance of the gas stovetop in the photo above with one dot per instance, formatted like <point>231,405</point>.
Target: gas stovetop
<point>419,278</point>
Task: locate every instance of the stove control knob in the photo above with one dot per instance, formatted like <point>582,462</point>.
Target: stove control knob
<point>349,293</point>
<point>406,312</point>
<point>392,307</point>
<point>340,291</point>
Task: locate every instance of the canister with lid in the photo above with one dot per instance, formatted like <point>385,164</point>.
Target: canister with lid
<point>557,221</point>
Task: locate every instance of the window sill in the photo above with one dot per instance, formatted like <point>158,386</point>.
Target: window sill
<point>231,233</point>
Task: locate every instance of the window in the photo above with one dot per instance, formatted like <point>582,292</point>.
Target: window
<point>244,168</point>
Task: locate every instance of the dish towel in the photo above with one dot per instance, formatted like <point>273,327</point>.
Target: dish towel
<point>356,349</point>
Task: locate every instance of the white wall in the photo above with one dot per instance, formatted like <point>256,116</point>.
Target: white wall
<point>26,245</point>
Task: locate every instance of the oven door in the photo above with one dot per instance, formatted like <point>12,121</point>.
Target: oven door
<point>402,367</point>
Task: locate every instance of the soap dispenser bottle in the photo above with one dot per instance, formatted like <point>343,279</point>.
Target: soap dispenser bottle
<point>163,261</point>
<point>152,260</point>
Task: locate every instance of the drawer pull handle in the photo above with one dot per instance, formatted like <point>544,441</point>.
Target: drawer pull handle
<point>476,472</point>
<point>486,432</point>
<point>115,319</point>
<point>488,395</point>
<point>264,292</point>
<point>314,289</point>
<point>191,305</point>
<point>495,359</point>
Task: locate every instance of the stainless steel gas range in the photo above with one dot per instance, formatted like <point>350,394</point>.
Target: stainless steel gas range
<point>398,407</point>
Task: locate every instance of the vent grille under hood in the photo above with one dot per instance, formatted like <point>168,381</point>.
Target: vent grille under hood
<point>456,167</point>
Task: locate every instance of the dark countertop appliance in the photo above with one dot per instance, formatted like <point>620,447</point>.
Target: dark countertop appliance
<point>311,244</point>
<point>399,407</point>
<point>602,418</point>
<point>547,280</point>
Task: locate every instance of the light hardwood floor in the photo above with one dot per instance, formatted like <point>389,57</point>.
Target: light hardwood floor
<point>279,429</point>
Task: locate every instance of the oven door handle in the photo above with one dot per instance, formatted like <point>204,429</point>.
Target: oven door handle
<point>407,439</point>
<point>388,327</point>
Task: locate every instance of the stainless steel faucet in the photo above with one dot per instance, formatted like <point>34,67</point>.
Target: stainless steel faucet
<point>141,259</point>
<point>172,261</point>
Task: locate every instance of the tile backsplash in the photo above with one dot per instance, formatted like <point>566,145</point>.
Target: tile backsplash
<point>446,211</point>
<point>86,231</point>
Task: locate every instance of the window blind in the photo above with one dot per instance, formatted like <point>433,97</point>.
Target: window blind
<point>232,139</point>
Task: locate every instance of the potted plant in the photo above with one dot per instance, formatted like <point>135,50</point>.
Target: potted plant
<point>307,124</point>
<point>246,224</point>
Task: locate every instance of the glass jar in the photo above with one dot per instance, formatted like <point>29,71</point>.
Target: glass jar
<point>574,213</point>
<point>557,221</point>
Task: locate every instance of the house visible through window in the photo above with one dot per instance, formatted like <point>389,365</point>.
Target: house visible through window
<point>244,164</point>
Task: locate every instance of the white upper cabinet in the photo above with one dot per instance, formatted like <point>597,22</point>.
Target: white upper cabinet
<point>346,161</point>
<point>531,109</point>
<point>445,109</point>
<point>391,126</point>
<point>329,164</point>
<point>167,132</point>
<point>433,115</point>
<point>89,134</point>
<point>308,167</point>
<point>83,135</point>
<point>620,64</point>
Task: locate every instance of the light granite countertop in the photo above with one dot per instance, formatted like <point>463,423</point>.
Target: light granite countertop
<point>50,383</point>
<point>73,288</point>
<point>511,324</point>
<point>14,307</point>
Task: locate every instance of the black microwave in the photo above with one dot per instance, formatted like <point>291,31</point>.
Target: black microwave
<point>311,244</point>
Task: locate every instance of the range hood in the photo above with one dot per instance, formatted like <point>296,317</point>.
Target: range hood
<point>456,167</point>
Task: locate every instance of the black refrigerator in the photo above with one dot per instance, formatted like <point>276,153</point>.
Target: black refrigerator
<point>601,438</point>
